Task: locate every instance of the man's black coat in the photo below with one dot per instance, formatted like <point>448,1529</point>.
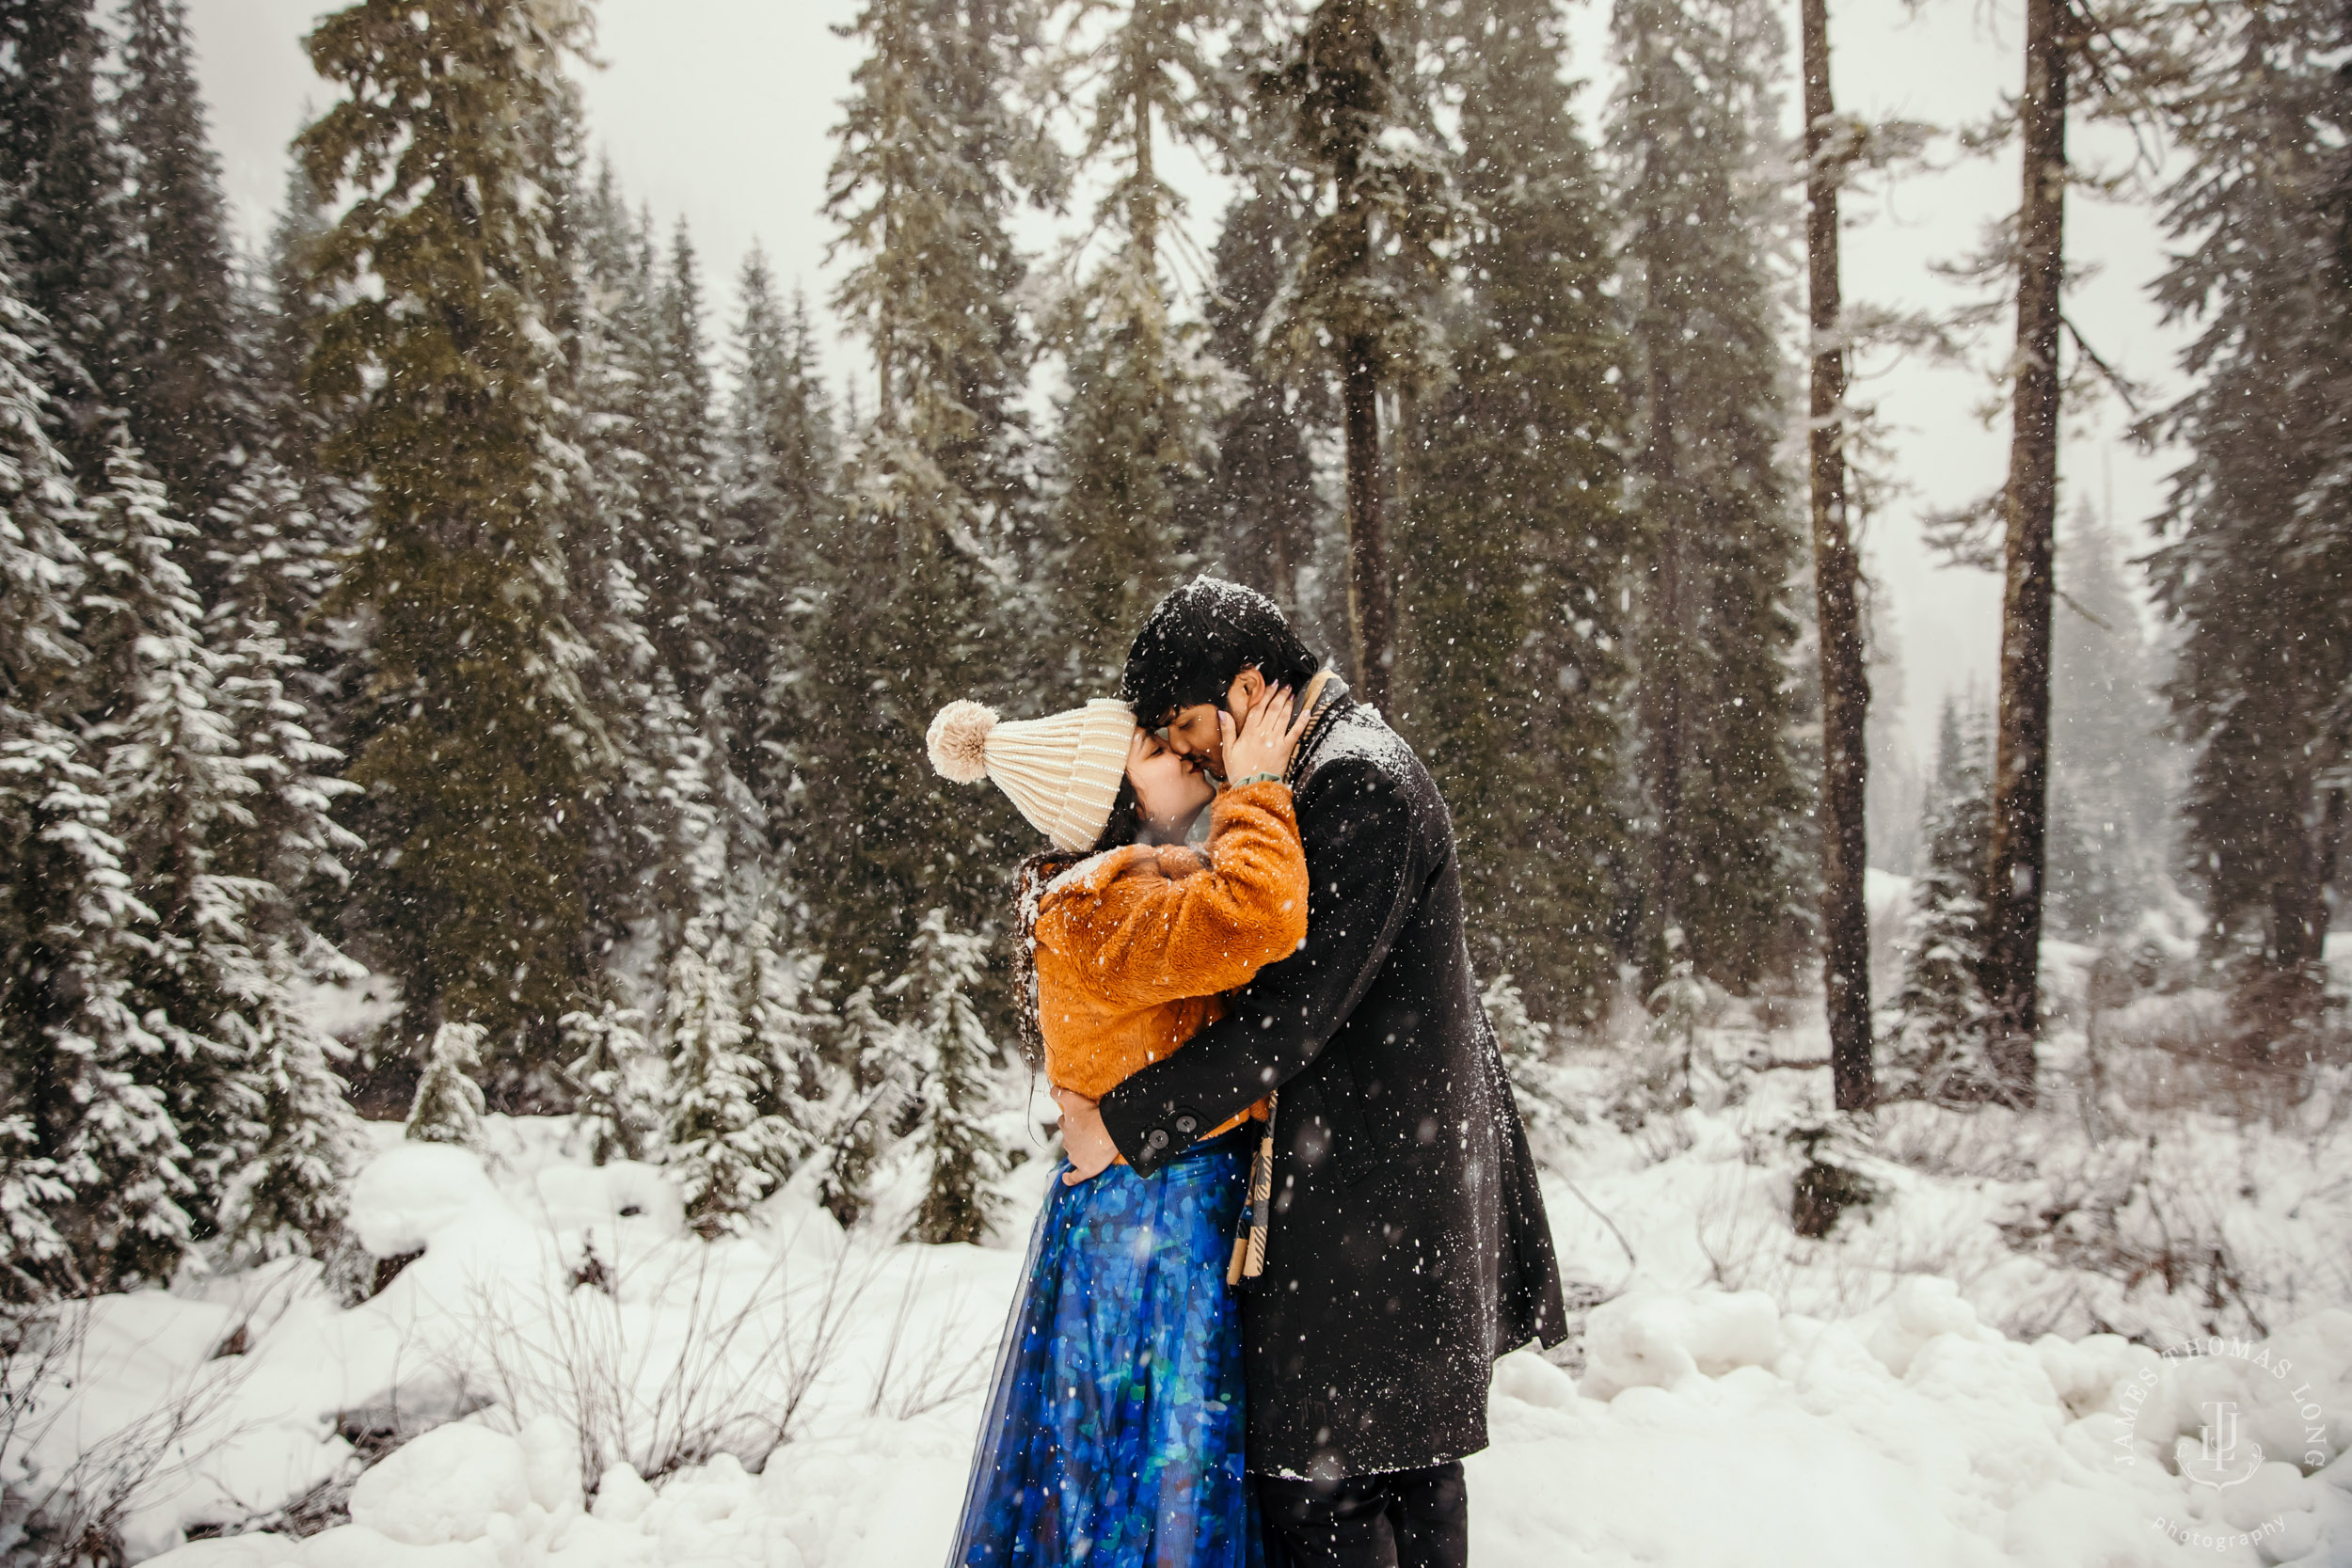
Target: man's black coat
<point>1408,1246</point>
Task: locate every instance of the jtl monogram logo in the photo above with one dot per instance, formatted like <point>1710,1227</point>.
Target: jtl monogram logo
<point>2222,1458</point>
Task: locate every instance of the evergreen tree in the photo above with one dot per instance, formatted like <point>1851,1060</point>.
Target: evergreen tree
<point>882,1093</point>
<point>2110,774</point>
<point>688,869</point>
<point>932,153</point>
<point>62,205</point>
<point>189,791</point>
<point>1897,787</point>
<point>1132,444</point>
<point>788,1021</point>
<point>2334,487</point>
<point>726,1150</point>
<point>1939,1049</point>
<point>610,288</point>
<point>224,804</point>
<point>91,1176</point>
<point>289,1197</point>
<point>1544,1093</point>
<point>180,786</point>
<point>782,510</point>
<point>270,559</point>
<point>93,1180</point>
<point>41,563</point>
<point>2093,897</point>
<point>283,318</point>
<point>1261,515</point>
<point>958,1069</point>
<point>280,533</point>
<point>448,1105</point>
<point>694,580</point>
<point>2255,551</point>
<point>176,377</point>
<point>1136,424</point>
<point>1513,668</point>
<point>481,751</point>
<point>1361,292</point>
<point>677,488</point>
<point>270,564</point>
<point>1525,1044</point>
<point>2120,62</point>
<point>921,608</point>
<point>1716,546</point>
<point>609,1068</point>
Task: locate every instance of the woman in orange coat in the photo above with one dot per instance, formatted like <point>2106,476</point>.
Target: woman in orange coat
<point>1114,1427</point>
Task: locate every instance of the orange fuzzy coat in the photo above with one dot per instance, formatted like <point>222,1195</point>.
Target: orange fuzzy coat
<point>1134,945</point>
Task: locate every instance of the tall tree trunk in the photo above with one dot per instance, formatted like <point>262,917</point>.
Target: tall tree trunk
<point>1845,681</point>
<point>1367,535</point>
<point>1360,423</point>
<point>2330,847</point>
<point>2021,763</point>
<point>1144,205</point>
<point>1664,678</point>
<point>1276,537</point>
<point>2300,913</point>
<point>1341,76</point>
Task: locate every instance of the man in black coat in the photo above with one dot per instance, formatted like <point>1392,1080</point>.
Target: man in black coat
<point>1406,1246</point>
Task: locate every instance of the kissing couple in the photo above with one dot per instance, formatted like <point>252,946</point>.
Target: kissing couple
<point>1298,1220</point>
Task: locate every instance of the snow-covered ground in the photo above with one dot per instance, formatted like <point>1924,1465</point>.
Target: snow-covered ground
<point>2148,1210</point>
<point>1923,1385</point>
<point>2110,1332</point>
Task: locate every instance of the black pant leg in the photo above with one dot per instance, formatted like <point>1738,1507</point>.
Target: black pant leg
<point>1396,1519</point>
<point>1429,1510</point>
<point>1334,1524</point>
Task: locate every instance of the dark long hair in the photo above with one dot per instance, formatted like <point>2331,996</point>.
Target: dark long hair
<point>1126,821</point>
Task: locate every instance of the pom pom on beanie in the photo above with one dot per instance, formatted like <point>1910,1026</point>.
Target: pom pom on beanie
<point>959,741</point>
<point>1062,772</point>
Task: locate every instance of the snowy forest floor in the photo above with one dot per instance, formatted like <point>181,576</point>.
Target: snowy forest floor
<point>2008,1355</point>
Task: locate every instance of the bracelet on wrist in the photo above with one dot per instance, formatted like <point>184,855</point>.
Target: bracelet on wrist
<point>1248,778</point>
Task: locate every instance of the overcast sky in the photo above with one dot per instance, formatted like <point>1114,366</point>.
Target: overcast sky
<point>719,110</point>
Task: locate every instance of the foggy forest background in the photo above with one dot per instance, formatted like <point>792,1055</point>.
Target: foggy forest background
<point>439,606</point>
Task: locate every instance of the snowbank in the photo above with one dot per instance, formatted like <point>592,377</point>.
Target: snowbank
<point>1708,1430</point>
<point>1702,1426</point>
<point>2084,1215</point>
<point>536,1293</point>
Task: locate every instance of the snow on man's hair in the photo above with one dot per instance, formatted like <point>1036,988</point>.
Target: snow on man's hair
<point>1199,637</point>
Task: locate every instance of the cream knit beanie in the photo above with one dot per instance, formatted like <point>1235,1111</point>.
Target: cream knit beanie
<point>1062,771</point>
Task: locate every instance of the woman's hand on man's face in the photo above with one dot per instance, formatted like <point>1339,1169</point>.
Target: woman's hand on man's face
<point>1262,741</point>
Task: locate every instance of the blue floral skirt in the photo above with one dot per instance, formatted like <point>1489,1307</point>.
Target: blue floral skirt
<point>1114,1431</point>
